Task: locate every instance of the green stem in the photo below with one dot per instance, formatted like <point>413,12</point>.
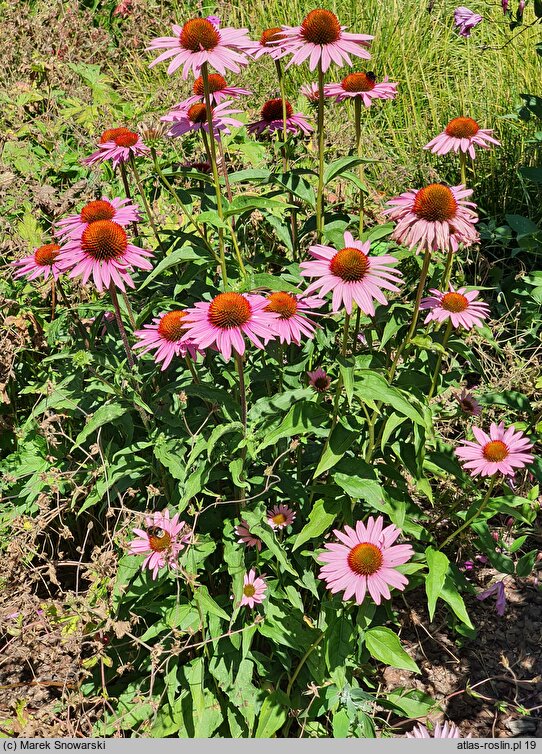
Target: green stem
<point>302,661</point>
<point>237,250</point>
<point>320,197</point>
<point>243,403</point>
<point>357,121</point>
<point>419,293</point>
<point>129,309</point>
<point>224,169</point>
<point>356,332</point>
<point>128,193</point>
<point>169,188</point>
<point>447,274</point>
<point>463,164</point>
<point>80,326</point>
<point>284,115</point>
<point>469,521</point>
<point>439,360</point>
<point>146,204</point>
<point>211,147</point>
<point>118,317</point>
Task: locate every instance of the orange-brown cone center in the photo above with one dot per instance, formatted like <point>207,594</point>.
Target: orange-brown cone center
<point>283,304</point>
<point>454,302</point>
<point>197,113</point>
<point>111,133</point>
<point>171,326</point>
<point>46,255</point>
<point>321,27</point>
<point>462,128</point>
<point>350,264</point>
<point>216,84</point>
<point>104,240</point>
<point>98,210</point>
<point>365,559</point>
<point>359,82</point>
<point>271,35</point>
<point>229,310</point>
<point>280,518</point>
<point>159,540</point>
<point>249,590</point>
<point>199,34</point>
<point>126,139</point>
<point>435,203</point>
<point>495,451</point>
<point>272,110</point>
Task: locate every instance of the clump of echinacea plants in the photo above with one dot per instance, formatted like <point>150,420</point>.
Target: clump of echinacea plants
<point>278,384</point>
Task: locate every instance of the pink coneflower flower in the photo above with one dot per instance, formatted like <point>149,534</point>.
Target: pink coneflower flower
<point>117,145</point>
<point>321,39</point>
<point>269,44</point>
<point>504,5</point>
<point>468,403</point>
<point>166,335</point>
<point>186,118</point>
<point>447,730</point>
<point>351,274</point>
<point>219,90</point>
<point>498,589</point>
<point>245,537</point>
<point>121,211</point>
<point>291,323</point>
<point>435,217</point>
<point>215,20</point>
<point>43,262</point>
<point>280,516</point>
<point>365,561</point>
<point>272,119</point>
<point>319,380</point>
<point>361,86</point>
<point>465,20</point>
<point>225,321</point>
<point>161,542</point>
<point>311,92</point>
<point>460,307</point>
<point>462,134</point>
<point>103,251</point>
<point>502,451</point>
<point>199,41</point>
<point>254,589</point>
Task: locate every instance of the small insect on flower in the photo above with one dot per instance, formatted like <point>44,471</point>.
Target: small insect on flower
<point>462,135</point>
<point>42,263</point>
<point>501,452</point>
<point>161,541</point>
<point>322,40</point>
<point>254,589</point>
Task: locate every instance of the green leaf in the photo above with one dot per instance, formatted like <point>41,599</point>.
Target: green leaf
<point>248,202</point>
<point>104,415</point>
<point>359,488</point>
<point>412,703</point>
<point>273,714</point>
<point>339,442</point>
<point>384,645</point>
<point>522,225</point>
<point>532,174</point>
<point>337,167</point>
<point>451,596</point>
<point>370,386</point>
<point>341,724</point>
<point>300,420</point>
<point>208,605</point>
<point>266,280</point>
<point>220,431</point>
<point>426,343</point>
<point>321,517</point>
<point>438,564</point>
<point>184,254</point>
<point>525,564</point>
<point>297,184</point>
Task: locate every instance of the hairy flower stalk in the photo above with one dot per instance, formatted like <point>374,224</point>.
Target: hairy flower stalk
<point>122,331</point>
<point>436,373</point>
<point>357,122</point>
<point>243,404</point>
<point>320,129</point>
<point>474,516</point>
<point>210,144</point>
